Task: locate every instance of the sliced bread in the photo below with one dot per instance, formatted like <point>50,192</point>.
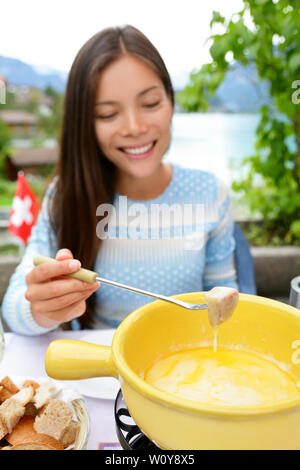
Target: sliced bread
<point>24,396</point>
<point>24,432</point>
<point>11,411</point>
<point>4,394</point>
<point>31,383</point>
<point>70,434</point>
<point>9,385</point>
<point>44,443</point>
<point>44,394</point>
<point>55,419</point>
<point>30,409</point>
<point>3,429</point>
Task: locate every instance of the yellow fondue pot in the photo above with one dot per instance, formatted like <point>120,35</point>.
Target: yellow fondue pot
<point>258,325</point>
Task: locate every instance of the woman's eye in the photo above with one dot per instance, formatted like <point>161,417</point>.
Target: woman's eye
<point>107,116</point>
<point>152,105</point>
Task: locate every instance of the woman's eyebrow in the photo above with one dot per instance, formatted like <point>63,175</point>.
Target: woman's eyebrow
<point>110,102</point>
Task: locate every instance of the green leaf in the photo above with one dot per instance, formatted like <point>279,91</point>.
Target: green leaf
<point>294,62</point>
<point>217,18</point>
<point>295,227</point>
<point>261,2</point>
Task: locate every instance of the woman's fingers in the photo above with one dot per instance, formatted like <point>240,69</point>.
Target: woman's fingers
<point>64,253</point>
<point>57,288</point>
<point>58,304</point>
<point>60,316</point>
<point>54,297</point>
<point>46,271</point>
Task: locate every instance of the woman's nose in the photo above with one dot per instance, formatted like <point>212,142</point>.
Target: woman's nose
<point>133,124</point>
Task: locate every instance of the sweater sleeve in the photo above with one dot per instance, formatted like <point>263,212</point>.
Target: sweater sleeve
<point>219,267</point>
<point>15,308</point>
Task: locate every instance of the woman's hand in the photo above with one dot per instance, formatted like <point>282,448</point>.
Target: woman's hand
<point>54,297</point>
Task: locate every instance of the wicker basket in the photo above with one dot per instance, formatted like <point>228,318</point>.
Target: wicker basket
<point>80,410</point>
<point>84,421</point>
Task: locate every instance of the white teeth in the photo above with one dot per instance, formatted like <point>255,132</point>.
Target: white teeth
<point>139,150</point>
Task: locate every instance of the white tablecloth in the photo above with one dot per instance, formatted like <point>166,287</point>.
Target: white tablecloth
<point>24,356</point>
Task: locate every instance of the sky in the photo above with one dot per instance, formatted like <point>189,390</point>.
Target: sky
<point>50,34</point>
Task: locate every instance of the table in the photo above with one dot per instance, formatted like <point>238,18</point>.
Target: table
<point>24,356</point>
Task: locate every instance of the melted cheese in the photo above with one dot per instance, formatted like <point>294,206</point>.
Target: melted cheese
<point>227,377</point>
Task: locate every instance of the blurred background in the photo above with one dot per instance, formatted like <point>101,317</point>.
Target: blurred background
<point>235,67</point>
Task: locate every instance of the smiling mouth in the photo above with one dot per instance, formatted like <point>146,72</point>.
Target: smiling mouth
<point>138,150</point>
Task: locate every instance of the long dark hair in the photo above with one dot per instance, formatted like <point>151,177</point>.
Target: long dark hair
<point>86,178</point>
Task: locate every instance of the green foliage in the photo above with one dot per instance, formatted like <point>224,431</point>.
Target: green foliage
<point>8,188</point>
<point>5,138</point>
<point>48,122</point>
<point>9,249</point>
<point>51,123</point>
<point>258,235</point>
<point>271,41</point>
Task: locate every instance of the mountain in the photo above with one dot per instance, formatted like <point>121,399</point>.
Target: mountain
<point>241,90</point>
<point>17,72</point>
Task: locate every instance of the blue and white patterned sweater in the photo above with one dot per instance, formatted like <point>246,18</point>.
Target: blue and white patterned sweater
<point>170,254</point>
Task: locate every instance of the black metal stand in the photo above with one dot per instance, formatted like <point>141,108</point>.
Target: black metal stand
<point>129,434</point>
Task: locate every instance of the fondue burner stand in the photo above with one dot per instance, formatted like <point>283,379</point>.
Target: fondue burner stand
<point>129,434</point>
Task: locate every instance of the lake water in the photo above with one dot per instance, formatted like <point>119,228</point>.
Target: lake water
<point>215,142</point>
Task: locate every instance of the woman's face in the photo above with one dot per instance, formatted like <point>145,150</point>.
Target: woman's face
<point>132,116</point>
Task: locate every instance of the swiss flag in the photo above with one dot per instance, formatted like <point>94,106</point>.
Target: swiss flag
<point>25,209</point>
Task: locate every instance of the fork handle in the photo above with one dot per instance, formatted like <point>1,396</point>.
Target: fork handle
<point>82,274</point>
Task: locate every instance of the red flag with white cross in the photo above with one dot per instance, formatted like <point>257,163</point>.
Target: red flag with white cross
<point>25,209</point>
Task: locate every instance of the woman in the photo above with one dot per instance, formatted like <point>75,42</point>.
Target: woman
<point>116,129</point>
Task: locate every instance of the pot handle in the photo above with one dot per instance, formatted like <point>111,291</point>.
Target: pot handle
<point>68,359</point>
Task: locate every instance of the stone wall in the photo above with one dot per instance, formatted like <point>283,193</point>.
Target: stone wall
<point>275,268</point>
<point>8,265</point>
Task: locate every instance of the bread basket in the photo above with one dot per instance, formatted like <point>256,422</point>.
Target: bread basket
<point>73,399</point>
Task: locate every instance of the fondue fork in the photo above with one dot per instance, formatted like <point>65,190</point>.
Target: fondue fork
<point>90,276</point>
